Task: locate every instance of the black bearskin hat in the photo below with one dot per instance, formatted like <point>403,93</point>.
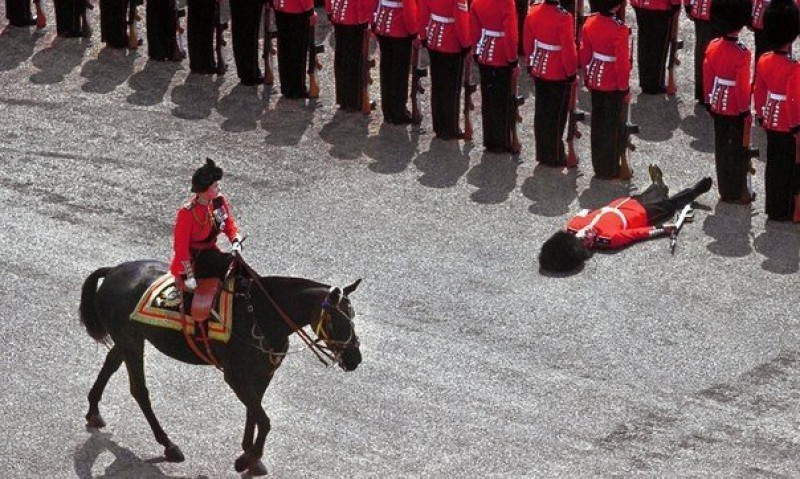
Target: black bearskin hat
<point>603,6</point>
<point>781,22</point>
<point>205,176</point>
<point>563,252</point>
<point>728,16</point>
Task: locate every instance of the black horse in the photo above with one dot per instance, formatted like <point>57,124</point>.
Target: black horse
<point>257,345</point>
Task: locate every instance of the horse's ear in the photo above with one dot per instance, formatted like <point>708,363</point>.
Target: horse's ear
<point>352,287</point>
<point>334,297</point>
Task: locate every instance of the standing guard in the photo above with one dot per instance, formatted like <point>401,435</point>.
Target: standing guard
<point>71,18</point>
<point>772,86</point>
<point>726,77</point>
<point>654,19</point>
<point>19,13</point>
<point>245,25</point>
<point>162,30</point>
<point>294,19</point>
<point>552,59</point>
<point>200,24</point>
<point>116,16</point>
<point>699,12</point>
<point>351,62</point>
<point>605,59</point>
<point>444,31</point>
<point>395,25</point>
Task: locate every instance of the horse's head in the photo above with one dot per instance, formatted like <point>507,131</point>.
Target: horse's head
<point>336,327</point>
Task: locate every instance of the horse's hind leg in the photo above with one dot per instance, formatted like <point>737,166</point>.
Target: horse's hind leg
<point>112,363</point>
<point>135,364</point>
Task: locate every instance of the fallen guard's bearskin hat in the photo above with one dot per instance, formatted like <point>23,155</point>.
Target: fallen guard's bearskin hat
<point>603,6</point>
<point>781,22</point>
<point>728,16</point>
<point>563,252</point>
<point>205,176</point>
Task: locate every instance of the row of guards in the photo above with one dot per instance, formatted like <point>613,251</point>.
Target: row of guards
<point>559,43</point>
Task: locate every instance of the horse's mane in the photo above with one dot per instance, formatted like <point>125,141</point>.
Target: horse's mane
<point>291,283</point>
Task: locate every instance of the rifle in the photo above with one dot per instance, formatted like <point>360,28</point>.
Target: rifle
<point>516,118</point>
<point>313,62</point>
<point>219,41</point>
<point>133,17</point>
<point>417,89</point>
<point>685,215</point>
<point>625,172</point>
<point>369,63</point>
<point>750,153</point>
<point>41,19</point>
<point>575,115</point>
<point>469,89</point>
<point>269,50</point>
<point>674,46</point>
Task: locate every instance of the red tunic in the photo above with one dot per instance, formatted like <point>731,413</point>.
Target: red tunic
<point>293,6</point>
<point>701,9</point>
<point>658,5</point>
<point>605,53</point>
<point>622,222</point>
<point>494,31</point>
<point>350,12</point>
<point>726,76</point>
<point>771,88</point>
<point>444,24</point>
<point>549,42</point>
<point>197,227</point>
<point>396,18</point>
<point>793,92</point>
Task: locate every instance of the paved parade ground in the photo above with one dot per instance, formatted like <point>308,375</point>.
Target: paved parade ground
<point>642,364</point>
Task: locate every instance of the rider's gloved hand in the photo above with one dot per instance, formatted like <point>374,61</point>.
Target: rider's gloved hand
<point>190,284</point>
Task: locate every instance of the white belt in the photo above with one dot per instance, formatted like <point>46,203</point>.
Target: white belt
<point>776,96</point>
<point>724,82</point>
<point>547,46</point>
<point>441,19</point>
<point>492,33</point>
<point>617,212</point>
<point>604,58</point>
<point>387,3</point>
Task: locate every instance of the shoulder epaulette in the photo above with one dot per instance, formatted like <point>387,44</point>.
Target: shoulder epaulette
<point>619,21</point>
<point>562,10</point>
<point>741,46</point>
<point>188,205</point>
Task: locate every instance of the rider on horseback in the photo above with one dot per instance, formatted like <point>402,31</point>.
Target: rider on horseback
<point>197,226</point>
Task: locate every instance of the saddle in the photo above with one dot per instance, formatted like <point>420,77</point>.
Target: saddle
<point>204,298</point>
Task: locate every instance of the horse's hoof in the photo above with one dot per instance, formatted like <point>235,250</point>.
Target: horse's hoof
<point>245,462</point>
<point>173,454</point>
<point>94,421</point>
<point>258,469</point>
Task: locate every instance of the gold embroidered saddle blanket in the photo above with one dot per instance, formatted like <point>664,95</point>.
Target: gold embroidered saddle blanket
<point>160,307</point>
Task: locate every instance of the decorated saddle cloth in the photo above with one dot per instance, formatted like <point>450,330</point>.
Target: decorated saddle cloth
<point>160,307</point>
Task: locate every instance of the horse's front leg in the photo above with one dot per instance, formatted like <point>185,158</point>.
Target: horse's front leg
<point>250,394</point>
<point>258,469</point>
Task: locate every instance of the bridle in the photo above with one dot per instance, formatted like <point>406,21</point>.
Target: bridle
<point>326,331</point>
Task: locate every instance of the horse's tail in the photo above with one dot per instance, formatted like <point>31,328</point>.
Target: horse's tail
<point>88,309</point>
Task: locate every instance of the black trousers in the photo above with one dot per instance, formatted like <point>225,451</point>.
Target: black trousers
<point>608,132</point>
<point>162,23</point>
<point>349,66</point>
<point>245,25</point>
<point>550,120</point>
<point>659,205</point>
<point>211,263</point>
<point>200,35</point>
<point>293,42</point>
<point>653,47</point>
<point>69,17</point>
<point>730,156</point>
<point>18,12</point>
<point>395,69</point>
<point>447,77</point>
<point>497,107</point>
<point>781,177</point>
<point>703,36</point>
<point>114,23</point>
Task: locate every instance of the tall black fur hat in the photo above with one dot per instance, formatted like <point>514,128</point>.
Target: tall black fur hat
<point>563,252</point>
<point>205,176</point>
<point>781,22</point>
<point>603,6</point>
<point>728,16</point>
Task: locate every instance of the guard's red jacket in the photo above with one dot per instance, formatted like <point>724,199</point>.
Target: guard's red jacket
<point>659,5</point>
<point>549,42</point>
<point>494,31</point>
<point>396,18</point>
<point>770,94</point>
<point>605,53</point>
<point>726,76</point>
<point>622,222</point>
<point>350,12</point>
<point>444,24</point>
<point>700,9</point>
<point>793,92</point>
<point>292,6</point>
<point>197,227</point>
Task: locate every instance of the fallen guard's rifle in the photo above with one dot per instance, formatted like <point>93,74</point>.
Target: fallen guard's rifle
<point>469,89</point>
<point>685,215</point>
<point>313,62</point>
<point>751,153</point>
<point>269,50</point>
<point>41,19</point>
<point>417,74</point>
<point>133,17</point>
<point>674,46</point>
<point>516,101</point>
<point>219,41</point>
<point>575,115</point>
<point>366,80</point>
<point>625,171</point>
